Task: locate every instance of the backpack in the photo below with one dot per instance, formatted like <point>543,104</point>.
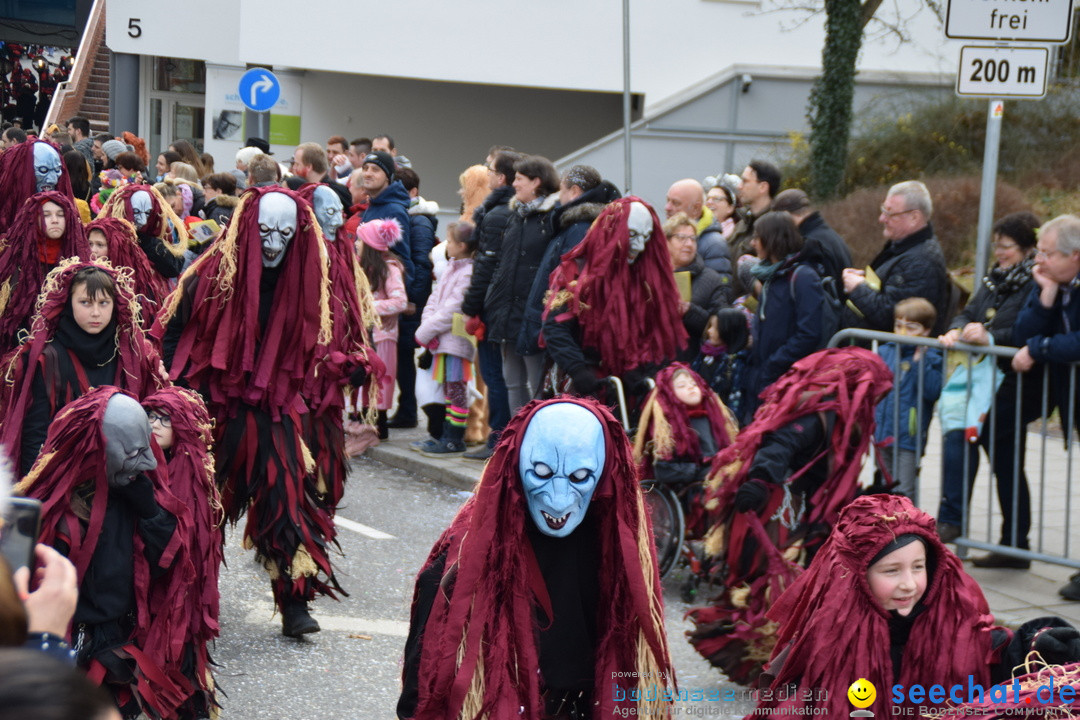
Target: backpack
<point>831,309</point>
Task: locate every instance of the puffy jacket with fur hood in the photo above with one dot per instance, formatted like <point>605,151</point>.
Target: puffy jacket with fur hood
<point>445,300</point>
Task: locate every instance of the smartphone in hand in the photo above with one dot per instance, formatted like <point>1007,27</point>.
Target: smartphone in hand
<point>20,526</point>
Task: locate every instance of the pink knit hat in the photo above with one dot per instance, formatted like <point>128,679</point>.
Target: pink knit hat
<point>380,234</point>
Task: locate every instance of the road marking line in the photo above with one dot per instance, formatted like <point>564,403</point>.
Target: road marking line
<point>362,529</point>
<point>339,623</point>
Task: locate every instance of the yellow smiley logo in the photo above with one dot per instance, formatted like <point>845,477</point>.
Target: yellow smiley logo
<point>862,693</point>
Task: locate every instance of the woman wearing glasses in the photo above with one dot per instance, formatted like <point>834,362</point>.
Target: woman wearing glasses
<point>988,320</point>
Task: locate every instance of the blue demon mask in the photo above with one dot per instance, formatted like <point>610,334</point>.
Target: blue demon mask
<point>562,458</point>
<point>46,167</point>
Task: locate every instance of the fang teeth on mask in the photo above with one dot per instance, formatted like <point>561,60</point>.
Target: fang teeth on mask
<point>555,523</point>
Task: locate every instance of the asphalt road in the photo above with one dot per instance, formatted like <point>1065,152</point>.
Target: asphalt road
<point>351,670</point>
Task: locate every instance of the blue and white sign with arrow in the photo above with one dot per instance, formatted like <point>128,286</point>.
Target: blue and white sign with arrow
<point>259,89</point>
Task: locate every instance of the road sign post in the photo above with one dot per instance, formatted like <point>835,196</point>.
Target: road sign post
<point>1003,70</point>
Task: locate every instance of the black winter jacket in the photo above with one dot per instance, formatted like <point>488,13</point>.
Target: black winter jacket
<point>489,221</point>
<point>787,327</point>
<point>523,245</point>
<point>709,291</point>
<point>911,267</point>
<point>423,225</point>
<point>825,248</point>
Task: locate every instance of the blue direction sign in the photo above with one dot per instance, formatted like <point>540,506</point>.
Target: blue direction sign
<point>259,89</point>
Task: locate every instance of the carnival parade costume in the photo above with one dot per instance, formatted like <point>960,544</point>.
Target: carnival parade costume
<point>612,305</point>
<point>774,494</point>
<point>124,251</point>
<point>26,257</point>
<point>107,507</point>
<point>243,330</point>
<point>832,628</point>
<point>162,235</point>
<point>349,358</point>
<point>675,440</point>
<point>68,361</point>
<point>190,465</point>
<point>543,591</point>
<point>30,167</point>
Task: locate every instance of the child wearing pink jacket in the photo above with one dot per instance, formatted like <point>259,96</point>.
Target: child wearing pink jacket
<point>453,353</point>
<point>387,277</point>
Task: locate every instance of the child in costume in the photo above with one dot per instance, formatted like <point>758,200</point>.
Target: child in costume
<point>45,230</point>
<point>386,275</point>
<point>87,333</point>
<point>453,354</point>
<point>774,494</point>
<point>106,508</point>
<point>904,415</point>
<point>543,592</point>
<point>115,240</point>
<point>182,429</point>
<point>162,234</point>
<point>683,426</point>
<point>724,355</point>
<point>886,601</point>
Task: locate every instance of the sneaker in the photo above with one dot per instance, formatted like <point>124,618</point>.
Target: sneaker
<point>422,445</point>
<point>948,532</point>
<point>481,453</point>
<point>998,560</point>
<point>1071,591</point>
<point>445,448</point>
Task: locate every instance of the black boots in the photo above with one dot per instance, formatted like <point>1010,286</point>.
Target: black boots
<point>296,620</point>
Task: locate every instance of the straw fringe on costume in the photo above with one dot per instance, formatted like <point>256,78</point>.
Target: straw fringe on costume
<point>480,656</point>
<point>164,223</point>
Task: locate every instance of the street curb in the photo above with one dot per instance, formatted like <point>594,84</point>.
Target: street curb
<point>455,472</point>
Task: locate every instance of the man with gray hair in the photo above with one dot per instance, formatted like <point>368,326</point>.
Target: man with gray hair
<point>910,265</point>
<point>1047,330</point>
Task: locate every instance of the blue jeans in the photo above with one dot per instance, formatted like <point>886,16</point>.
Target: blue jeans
<point>953,501</point>
<point>489,356</point>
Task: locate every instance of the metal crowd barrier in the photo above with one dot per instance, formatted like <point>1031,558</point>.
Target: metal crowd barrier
<point>1051,496</point>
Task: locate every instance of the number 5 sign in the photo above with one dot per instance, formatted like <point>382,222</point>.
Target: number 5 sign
<point>987,71</point>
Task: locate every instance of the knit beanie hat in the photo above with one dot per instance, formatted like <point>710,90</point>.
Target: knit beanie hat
<point>379,234</point>
<point>384,160</point>
<point>112,148</point>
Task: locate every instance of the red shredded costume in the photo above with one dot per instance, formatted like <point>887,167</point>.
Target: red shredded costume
<point>480,654</point>
<point>246,338</point>
<point>124,251</point>
<point>835,392</point>
<point>627,314</point>
<point>18,181</point>
<point>191,480</point>
<point>352,313</point>
<point>70,479</point>
<point>27,256</point>
<point>137,362</point>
